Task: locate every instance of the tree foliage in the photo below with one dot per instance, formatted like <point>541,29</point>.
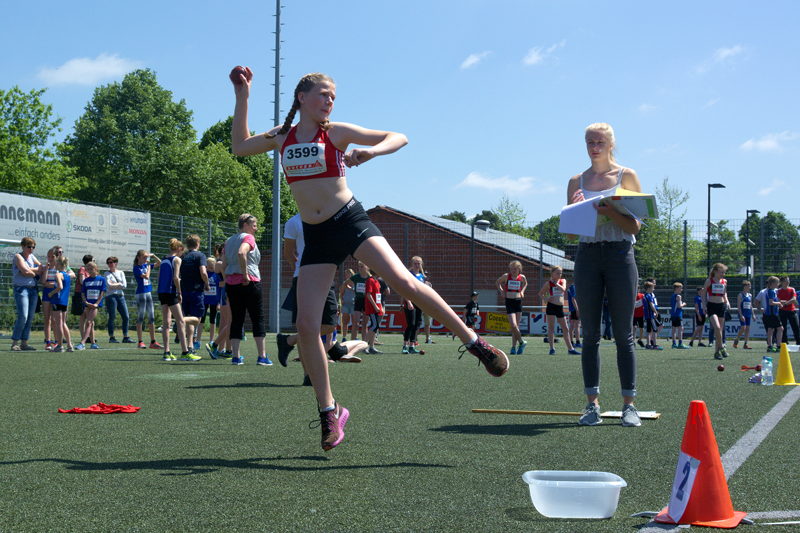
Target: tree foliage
<point>458,216</point>
<point>28,158</point>
<point>781,241</point>
<point>136,148</point>
<point>260,167</point>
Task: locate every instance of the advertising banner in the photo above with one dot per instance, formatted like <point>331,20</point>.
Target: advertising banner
<point>80,229</point>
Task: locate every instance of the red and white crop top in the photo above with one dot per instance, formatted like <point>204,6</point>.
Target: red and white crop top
<point>717,288</point>
<point>318,158</point>
<point>512,284</point>
<point>556,289</point>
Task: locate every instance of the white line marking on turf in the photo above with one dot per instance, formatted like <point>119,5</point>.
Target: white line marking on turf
<point>738,454</point>
<point>744,447</point>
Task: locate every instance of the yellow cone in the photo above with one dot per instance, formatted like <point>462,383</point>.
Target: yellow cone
<point>785,374</point>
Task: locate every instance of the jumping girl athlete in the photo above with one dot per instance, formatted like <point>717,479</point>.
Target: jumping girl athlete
<point>715,295</point>
<point>512,285</point>
<point>605,265</point>
<point>314,156</point>
<point>745,304</point>
<point>552,292</point>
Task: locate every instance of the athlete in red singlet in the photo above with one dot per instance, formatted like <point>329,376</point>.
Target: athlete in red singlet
<point>552,295</point>
<point>512,285</point>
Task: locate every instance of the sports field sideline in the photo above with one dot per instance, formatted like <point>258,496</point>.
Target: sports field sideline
<point>217,447</point>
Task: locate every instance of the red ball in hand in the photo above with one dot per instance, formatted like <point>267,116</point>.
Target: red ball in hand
<point>238,71</point>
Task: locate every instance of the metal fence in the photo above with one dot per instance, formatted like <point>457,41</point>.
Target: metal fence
<point>458,262</point>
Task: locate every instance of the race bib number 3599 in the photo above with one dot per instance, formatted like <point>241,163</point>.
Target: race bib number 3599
<point>304,159</point>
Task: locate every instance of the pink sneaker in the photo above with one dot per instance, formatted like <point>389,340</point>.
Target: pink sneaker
<point>332,424</point>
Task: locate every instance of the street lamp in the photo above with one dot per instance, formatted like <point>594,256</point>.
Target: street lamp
<point>749,243</point>
<point>708,226</point>
<point>484,225</point>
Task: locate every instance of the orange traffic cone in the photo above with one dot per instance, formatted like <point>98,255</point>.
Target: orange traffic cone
<point>784,374</point>
<point>700,494</point>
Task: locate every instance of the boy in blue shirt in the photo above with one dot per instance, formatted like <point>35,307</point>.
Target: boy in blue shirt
<point>676,305</point>
<point>699,320</point>
<point>93,290</point>
<point>650,313</point>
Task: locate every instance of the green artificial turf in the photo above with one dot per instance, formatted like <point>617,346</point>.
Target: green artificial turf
<point>218,447</point>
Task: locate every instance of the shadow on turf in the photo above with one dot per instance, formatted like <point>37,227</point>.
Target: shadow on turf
<point>523,430</point>
<point>187,467</point>
<point>245,386</point>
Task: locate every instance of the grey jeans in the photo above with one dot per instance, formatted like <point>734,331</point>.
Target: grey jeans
<point>607,269</point>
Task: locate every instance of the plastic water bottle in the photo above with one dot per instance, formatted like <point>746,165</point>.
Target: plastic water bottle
<point>766,371</point>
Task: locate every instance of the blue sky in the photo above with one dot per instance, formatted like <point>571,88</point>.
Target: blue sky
<point>493,96</point>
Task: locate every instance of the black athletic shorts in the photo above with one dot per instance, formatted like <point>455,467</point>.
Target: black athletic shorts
<point>77,304</point>
<point>699,320</point>
<point>554,310</point>
<point>168,298</point>
<point>638,321</point>
<point>329,312</point>
<point>573,315</point>
<point>652,324</point>
<point>358,305</point>
<point>716,309</point>
<point>771,321</point>
<point>677,322</point>
<point>60,308</point>
<point>513,305</point>
<point>331,241</point>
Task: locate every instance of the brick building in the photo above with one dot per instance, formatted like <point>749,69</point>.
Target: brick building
<point>445,247</point>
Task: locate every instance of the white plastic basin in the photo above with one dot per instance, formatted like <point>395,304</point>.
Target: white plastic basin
<point>574,494</point>
<point>793,347</point>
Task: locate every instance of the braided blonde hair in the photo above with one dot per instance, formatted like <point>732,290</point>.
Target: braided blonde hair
<point>306,83</point>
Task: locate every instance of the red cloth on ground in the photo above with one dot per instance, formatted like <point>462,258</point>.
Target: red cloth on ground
<point>101,409</point>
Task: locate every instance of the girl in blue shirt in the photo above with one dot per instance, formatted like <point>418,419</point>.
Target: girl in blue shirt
<point>142,269</point>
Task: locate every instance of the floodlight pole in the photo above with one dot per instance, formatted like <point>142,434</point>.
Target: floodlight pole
<point>708,224</point>
<point>275,285</point>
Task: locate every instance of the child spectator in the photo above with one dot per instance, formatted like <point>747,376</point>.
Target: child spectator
<point>638,317</point>
<point>574,316</point>
<point>745,304</point>
<point>771,321</point>
<point>699,319</point>
<point>373,310</point>
<point>650,313</point>
<point>472,310</point>
<point>676,305</point>
<point>93,290</point>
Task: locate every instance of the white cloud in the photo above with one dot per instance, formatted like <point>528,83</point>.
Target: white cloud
<point>772,142</point>
<point>646,108</point>
<point>87,71</point>
<point>507,185</point>
<point>711,103</point>
<point>723,54</point>
<point>774,186</point>
<point>538,54</point>
<point>474,59</point>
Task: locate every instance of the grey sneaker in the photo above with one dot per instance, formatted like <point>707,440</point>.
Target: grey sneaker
<point>591,415</point>
<point>630,416</point>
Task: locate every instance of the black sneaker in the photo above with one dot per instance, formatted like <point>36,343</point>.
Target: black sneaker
<point>640,343</point>
<point>284,348</point>
<point>494,360</point>
<point>128,340</point>
<point>112,340</point>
